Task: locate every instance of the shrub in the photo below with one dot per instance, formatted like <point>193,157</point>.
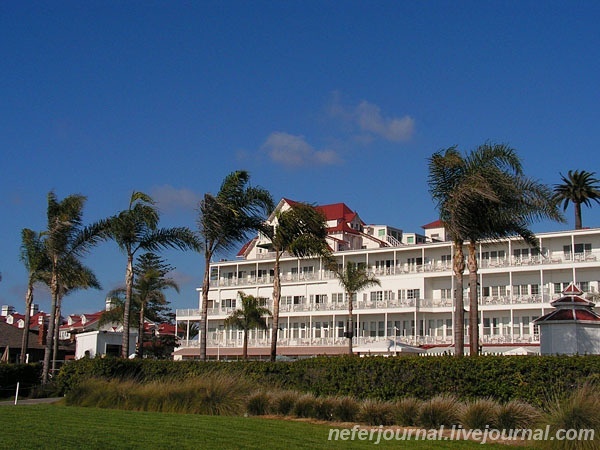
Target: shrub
<point>516,415</point>
<point>305,406</point>
<point>407,411</point>
<point>284,401</point>
<point>376,412</point>
<point>578,411</point>
<point>479,413</point>
<point>325,408</point>
<point>258,404</point>
<point>346,409</point>
<point>440,410</point>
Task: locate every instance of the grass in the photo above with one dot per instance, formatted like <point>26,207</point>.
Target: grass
<point>58,427</point>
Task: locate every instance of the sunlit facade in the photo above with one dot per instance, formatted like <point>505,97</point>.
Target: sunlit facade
<point>413,305</point>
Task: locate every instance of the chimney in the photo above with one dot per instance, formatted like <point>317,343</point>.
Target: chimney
<point>108,304</point>
<point>35,308</point>
<point>42,332</point>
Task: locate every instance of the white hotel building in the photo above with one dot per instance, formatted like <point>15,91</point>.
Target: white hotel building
<point>414,303</point>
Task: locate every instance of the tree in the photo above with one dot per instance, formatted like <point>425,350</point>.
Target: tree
<point>136,228</point>
<point>301,231</point>
<point>353,279</point>
<point>578,187</point>
<point>250,316</point>
<point>36,262</point>
<point>65,241</point>
<point>225,220</point>
<point>485,195</point>
<point>150,283</point>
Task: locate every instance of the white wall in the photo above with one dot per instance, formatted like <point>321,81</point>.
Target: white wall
<point>96,342</point>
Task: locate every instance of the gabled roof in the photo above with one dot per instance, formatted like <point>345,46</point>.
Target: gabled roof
<point>12,337</point>
<point>435,224</point>
<point>336,211</point>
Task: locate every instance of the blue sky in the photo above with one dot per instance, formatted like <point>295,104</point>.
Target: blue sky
<point>321,101</point>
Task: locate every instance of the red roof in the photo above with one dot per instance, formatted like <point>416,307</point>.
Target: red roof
<point>436,224</point>
<point>337,211</point>
<point>564,315</point>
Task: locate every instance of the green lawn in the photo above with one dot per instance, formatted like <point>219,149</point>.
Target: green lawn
<point>65,427</point>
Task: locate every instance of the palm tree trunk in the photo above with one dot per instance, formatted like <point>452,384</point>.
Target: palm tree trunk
<point>140,351</point>
<point>56,333</point>
<point>473,301</point>
<point>50,334</point>
<point>127,307</point>
<point>459,313</point>
<point>350,323</point>
<point>578,224</point>
<point>25,339</point>
<point>276,300</point>
<point>204,314</point>
<point>245,347</point>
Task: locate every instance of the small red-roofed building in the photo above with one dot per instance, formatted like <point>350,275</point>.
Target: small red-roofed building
<point>572,328</point>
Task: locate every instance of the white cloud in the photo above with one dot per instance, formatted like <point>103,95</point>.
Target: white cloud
<point>293,151</point>
<point>368,120</point>
<point>169,198</point>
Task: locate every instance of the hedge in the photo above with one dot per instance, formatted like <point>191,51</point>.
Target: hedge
<point>27,375</point>
<point>503,378</point>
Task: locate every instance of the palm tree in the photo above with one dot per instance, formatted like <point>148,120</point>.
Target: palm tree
<point>37,264</point>
<point>353,279</point>
<point>301,231</point>
<point>65,241</point>
<point>149,287</point>
<point>224,221</point>
<point>487,197</point>
<point>578,187</point>
<point>250,316</point>
<point>136,228</point>
<point>73,277</point>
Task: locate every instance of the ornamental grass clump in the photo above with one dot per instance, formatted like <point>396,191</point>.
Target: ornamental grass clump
<point>407,411</point>
<point>479,413</point>
<point>440,410</point>
<point>377,412</point>
<point>346,409</point>
<point>516,414</point>
<point>305,406</point>
<point>325,408</point>
<point>283,402</point>
<point>259,404</point>
<point>578,412</point>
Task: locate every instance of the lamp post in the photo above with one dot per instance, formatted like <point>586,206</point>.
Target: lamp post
<point>395,340</point>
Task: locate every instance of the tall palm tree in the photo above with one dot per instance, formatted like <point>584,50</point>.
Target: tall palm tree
<point>487,197</point>
<point>73,277</point>
<point>37,264</point>
<point>353,279</point>
<point>578,187</point>
<point>150,283</point>
<point>301,231</point>
<point>250,316</point>
<point>135,229</point>
<point>224,221</point>
<point>65,241</point>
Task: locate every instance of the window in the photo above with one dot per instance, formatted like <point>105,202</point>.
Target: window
<point>413,293</point>
<point>228,303</point>
<point>447,293</point>
<point>376,296</point>
<point>299,299</point>
<point>535,289</point>
<point>584,286</point>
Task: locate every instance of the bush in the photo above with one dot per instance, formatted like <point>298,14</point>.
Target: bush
<point>440,410</point>
<point>479,413</point>
<point>502,378</point>
<point>325,408</point>
<point>516,415</point>
<point>578,411</point>
<point>258,404</point>
<point>283,402</point>
<point>346,409</point>
<point>407,411</point>
<point>377,412</point>
<point>305,406</point>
